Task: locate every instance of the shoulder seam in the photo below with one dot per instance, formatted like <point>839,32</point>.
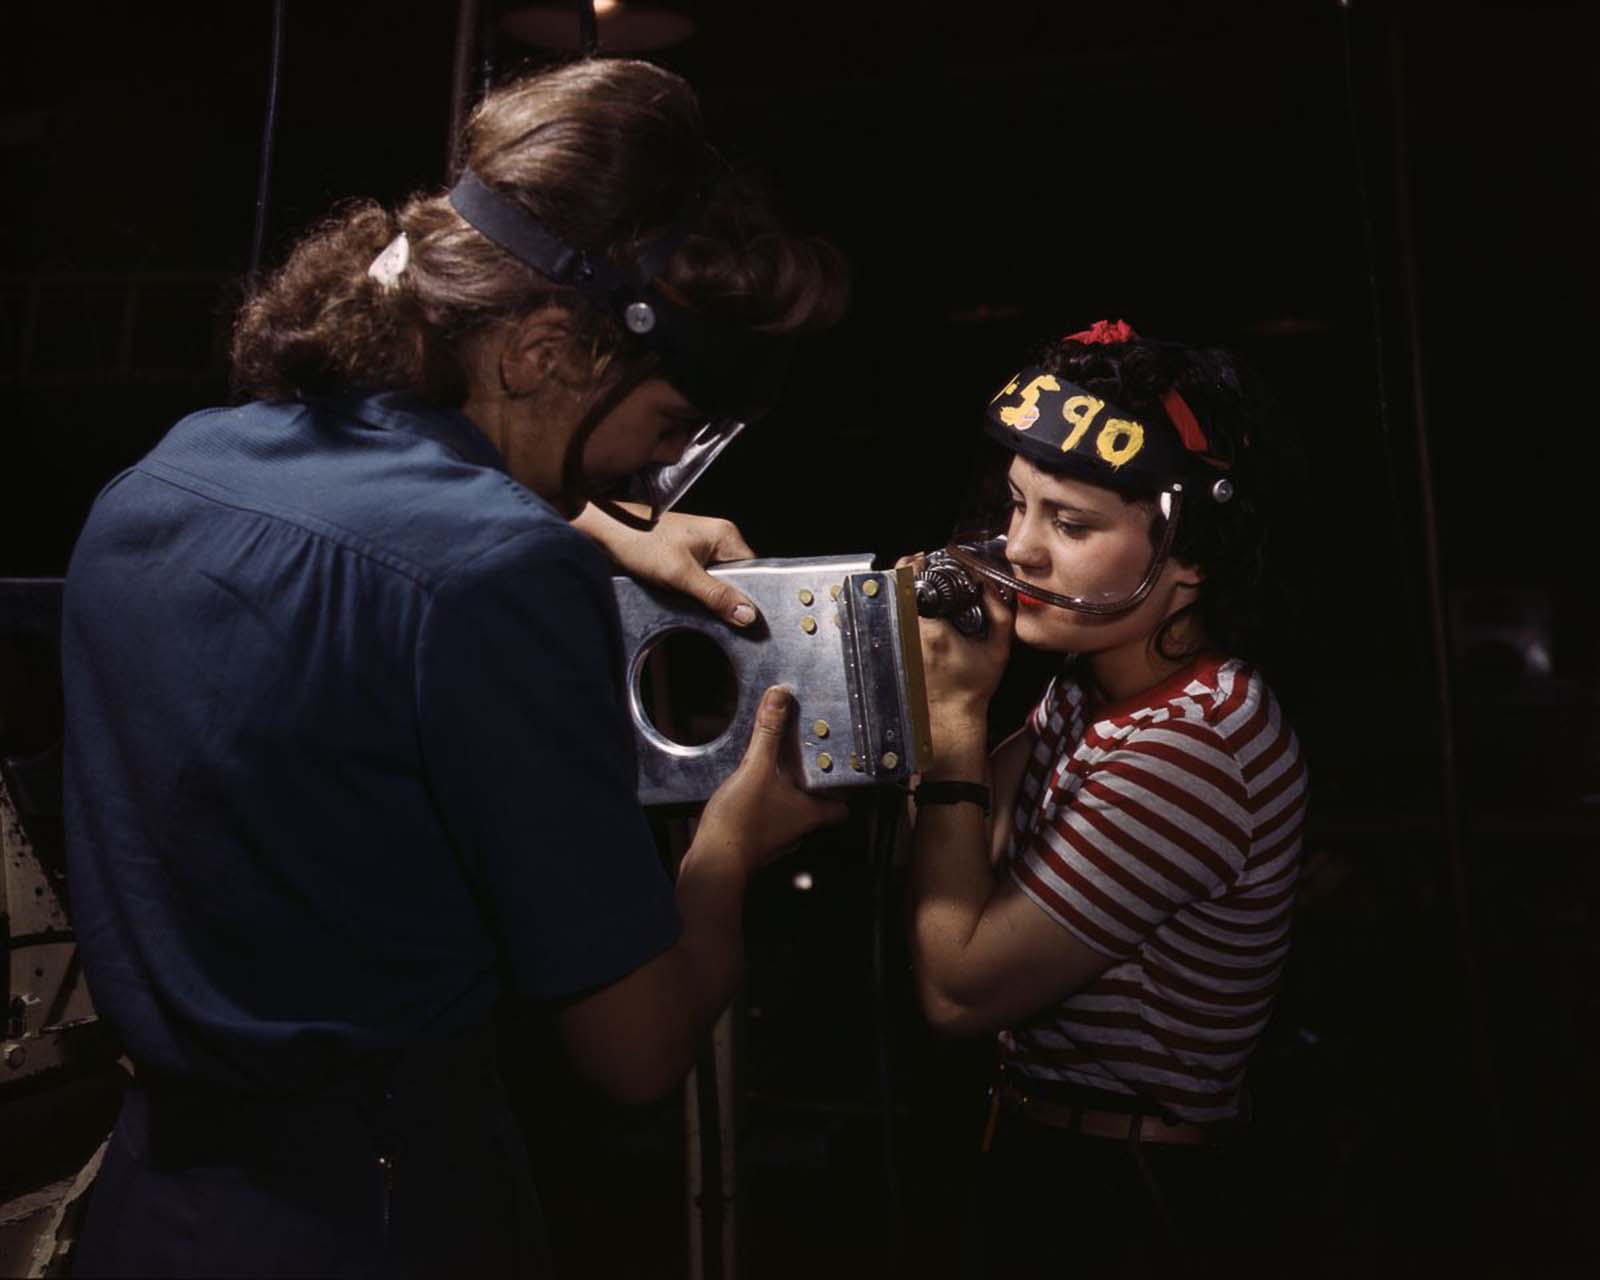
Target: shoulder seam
<point>166,473</point>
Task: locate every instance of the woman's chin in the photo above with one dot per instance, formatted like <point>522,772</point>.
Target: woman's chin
<point>1034,629</point>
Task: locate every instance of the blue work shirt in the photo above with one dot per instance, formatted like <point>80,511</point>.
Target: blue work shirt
<point>347,757</point>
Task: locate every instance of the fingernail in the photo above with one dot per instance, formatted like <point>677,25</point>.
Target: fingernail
<point>778,696</point>
<point>743,615</point>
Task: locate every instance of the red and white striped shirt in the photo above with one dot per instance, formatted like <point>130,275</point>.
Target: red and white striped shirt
<point>1164,831</point>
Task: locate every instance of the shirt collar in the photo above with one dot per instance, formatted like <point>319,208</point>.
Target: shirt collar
<point>1202,667</point>
<point>404,411</point>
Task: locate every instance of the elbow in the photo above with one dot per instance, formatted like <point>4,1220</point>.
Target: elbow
<point>641,1078</point>
<point>950,1015</point>
<point>638,1089</point>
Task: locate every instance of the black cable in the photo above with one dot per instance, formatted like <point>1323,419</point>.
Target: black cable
<point>269,134</point>
<point>890,811</point>
<point>1370,250</point>
<point>488,45</point>
<point>588,29</point>
<point>468,26</point>
<point>1485,1078</point>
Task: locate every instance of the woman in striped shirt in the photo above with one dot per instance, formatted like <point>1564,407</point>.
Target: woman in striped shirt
<point>1122,920</point>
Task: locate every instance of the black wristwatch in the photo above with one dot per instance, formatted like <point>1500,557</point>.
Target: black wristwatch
<point>951,793</point>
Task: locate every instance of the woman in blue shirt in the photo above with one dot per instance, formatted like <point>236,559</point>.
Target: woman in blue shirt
<point>348,759</point>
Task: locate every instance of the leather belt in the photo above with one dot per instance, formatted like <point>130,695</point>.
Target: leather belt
<point>1094,1122</point>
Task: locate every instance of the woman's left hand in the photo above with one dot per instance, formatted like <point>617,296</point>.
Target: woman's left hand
<point>674,554</point>
<point>962,672</point>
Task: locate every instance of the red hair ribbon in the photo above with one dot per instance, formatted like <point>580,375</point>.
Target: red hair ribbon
<point>1103,333</point>
<point>1106,332</point>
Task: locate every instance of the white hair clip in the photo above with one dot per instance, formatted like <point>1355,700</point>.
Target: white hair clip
<point>394,259</point>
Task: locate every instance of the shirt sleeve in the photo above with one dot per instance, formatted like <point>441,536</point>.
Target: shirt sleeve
<point>528,750</point>
<point>1040,717</point>
<point>1158,822</point>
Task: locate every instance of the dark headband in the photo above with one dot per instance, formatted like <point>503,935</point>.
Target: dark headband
<point>528,240</point>
<point>721,368</point>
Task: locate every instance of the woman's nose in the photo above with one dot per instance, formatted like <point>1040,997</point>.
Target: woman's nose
<point>1024,547</point>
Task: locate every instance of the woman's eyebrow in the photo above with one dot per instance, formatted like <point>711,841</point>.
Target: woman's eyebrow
<point>1058,504</point>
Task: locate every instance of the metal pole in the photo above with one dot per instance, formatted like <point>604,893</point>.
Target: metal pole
<point>1449,787</point>
<point>722,1049</point>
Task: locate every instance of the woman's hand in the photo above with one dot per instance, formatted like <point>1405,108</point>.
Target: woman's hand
<point>962,672</point>
<point>674,554</point>
<point>759,810</point>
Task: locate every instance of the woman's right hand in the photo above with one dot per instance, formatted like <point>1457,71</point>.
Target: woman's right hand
<point>759,810</point>
<point>962,672</point>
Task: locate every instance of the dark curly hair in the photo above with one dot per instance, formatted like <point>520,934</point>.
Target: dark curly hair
<point>607,152</point>
<point>1227,541</point>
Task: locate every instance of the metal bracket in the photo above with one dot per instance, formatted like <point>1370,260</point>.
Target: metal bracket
<point>840,635</point>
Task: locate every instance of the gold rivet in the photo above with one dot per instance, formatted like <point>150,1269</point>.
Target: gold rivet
<point>870,586</point>
<point>820,728</point>
<point>808,624</point>
<point>805,596</point>
<point>834,591</point>
<point>890,760</point>
<point>855,762</point>
<point>825,762</point>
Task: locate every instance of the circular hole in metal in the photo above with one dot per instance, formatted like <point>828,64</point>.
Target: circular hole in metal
<point>687,689</point>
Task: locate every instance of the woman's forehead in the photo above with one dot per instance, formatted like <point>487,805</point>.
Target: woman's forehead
<point>1050,487</point>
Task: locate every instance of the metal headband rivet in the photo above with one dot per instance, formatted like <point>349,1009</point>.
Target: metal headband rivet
<point>1222,490</point>
<point>640,317</point>
<point>870,586</point>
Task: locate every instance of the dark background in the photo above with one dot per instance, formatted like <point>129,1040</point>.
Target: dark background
<point>1381,205</point>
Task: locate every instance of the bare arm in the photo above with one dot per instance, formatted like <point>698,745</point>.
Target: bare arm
<point>983,953</point>
<point>636,1038</point>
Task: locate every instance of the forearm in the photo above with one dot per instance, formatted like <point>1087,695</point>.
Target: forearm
<point>634,1039</point>
<point>711,887</point>
<point>950,879</point>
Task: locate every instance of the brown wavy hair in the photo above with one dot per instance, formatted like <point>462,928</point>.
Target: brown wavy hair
<point>607,153</point>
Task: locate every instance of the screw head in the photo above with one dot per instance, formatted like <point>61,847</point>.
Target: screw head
<point>808,624</point>
<point>825,762</point>
<point>805,596</point>
<point>640,317</point>
<point>870,586</point>
<point>820,729</point>
<point>1222,490</point>
<point>890,760</point>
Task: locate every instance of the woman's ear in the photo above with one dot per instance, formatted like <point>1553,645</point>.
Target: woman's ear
<point>1192,575</point>
<point>536,352</point>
